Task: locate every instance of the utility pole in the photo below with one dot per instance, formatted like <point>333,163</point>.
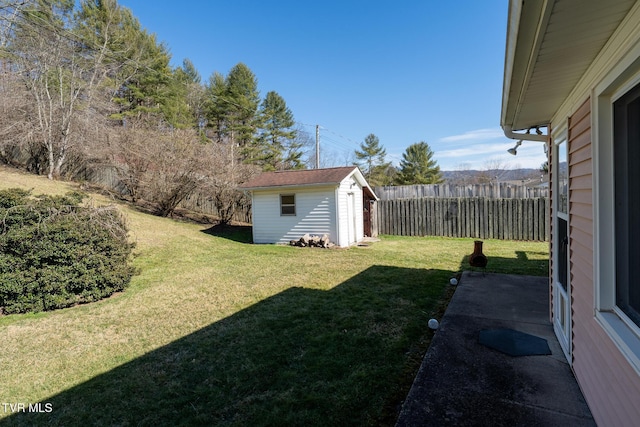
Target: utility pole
<point>317,146</point>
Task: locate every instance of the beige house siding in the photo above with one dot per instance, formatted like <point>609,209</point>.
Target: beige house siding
<point>608,382</point>
<point>576,97</point>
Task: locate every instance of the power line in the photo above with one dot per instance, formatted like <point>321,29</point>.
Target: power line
<point>357,144</point>
<point>343,143</point>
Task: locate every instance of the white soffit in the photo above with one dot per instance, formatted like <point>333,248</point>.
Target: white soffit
<point>550,45</point>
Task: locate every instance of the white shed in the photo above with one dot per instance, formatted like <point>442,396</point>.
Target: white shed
<point>335,201</point>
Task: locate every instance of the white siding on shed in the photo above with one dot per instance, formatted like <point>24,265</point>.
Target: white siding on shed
<point>315,214</point>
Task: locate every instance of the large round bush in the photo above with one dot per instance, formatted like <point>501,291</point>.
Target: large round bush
<point>55,253</point>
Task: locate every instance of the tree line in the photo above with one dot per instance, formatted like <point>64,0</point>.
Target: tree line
<point>417,165</point>
<point>84,84</point>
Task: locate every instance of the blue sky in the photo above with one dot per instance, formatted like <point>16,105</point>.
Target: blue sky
<point>406,71</point>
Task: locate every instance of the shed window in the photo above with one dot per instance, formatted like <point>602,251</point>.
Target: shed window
<point>287,204</point>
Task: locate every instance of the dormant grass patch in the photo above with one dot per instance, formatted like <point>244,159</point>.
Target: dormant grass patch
<point>216,331</point>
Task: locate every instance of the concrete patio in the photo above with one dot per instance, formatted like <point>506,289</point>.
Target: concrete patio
<point>464,383</point>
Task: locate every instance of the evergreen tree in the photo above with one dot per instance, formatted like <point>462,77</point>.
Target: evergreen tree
<point>544,167</point>
<point>149,93</point>
<point>242,100</point>
<point>277,140</point>
<point>231,110</point>
<point>190,71</point>
<point>215,106</point>
<point>138,77</point>
<point>183,104</point>
<point>418,166</point>
<point>371,159</point>
<point>189,75</point>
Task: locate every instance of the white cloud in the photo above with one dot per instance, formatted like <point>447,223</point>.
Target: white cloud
<point>476,156</point>
<point>475,135</point>
<point>475,150</point>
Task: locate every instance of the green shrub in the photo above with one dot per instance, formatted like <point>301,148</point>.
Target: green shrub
<point>13,197</point>
<point>55,254</point>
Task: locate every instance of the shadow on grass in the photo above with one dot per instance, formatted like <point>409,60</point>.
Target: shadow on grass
<point>521,264</point>
<point>346,356</point>
<point>237,233</point>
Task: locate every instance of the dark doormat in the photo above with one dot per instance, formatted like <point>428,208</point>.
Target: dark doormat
<point>514,343</point>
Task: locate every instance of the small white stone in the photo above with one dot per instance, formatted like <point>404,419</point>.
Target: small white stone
<point>453,281</point>
<point>433,324</point>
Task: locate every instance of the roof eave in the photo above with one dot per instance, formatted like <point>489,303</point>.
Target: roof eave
<point>515,8</point>
<point>290,186</point>
<point>359,176</point>
<point>527,23</point>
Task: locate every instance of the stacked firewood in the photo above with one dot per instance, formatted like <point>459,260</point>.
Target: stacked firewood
<point>312,241</point>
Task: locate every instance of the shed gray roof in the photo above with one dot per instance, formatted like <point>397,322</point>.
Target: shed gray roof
<point>304,177</point>
<point>299,177</point>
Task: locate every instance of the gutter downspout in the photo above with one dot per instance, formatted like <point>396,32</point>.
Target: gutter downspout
<point>509,133</point>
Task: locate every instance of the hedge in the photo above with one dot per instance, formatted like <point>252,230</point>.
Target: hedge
<point>55,253</point>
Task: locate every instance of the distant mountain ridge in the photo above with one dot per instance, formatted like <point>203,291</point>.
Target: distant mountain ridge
<point>494,175</point>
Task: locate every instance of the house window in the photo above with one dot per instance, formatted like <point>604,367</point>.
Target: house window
<point>287,204</point>
<point>616,151</point>
<point>562,177</point>
<point>561,172</point>
<point>626,157</point>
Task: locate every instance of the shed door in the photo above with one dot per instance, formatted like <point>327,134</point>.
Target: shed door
<point>351,218</point>
<point>367,204</point>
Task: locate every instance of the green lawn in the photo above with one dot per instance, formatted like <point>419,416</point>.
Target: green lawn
<point>216,331</point>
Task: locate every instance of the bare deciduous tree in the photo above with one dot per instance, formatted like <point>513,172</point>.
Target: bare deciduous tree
<point>67,64</point>
<point>178,164</point>
<point>128,151</point>
<point>223,180</point>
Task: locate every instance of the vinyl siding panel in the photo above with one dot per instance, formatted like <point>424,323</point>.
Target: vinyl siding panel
<point>582,280</point>
<point>591,356</point>
<point>582,201</point>
<point>580,169</point>
<point>315,214</point>
<point>580,190</point>
<point>606,379</point>
<point>582,155</point>
<point>581,234</point>
<point>581,137</point>
<point>583,182</point>
<point>581,126</point>
<point>609,382</point>
<point>579,224</point>
<point>610,385</point>
<point>580,256</point>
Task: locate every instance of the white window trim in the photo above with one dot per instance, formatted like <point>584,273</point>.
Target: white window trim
<point>622,331</point>
<point>559,137</point>
<point>288,204</point>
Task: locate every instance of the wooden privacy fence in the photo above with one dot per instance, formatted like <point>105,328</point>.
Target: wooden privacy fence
<point>501,190</point>
<point>476,217</point>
